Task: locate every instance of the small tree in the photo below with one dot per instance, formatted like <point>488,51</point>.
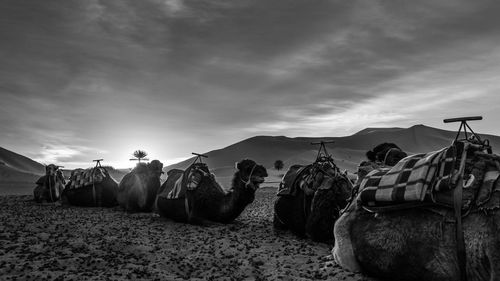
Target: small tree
<point>278,165</point>
<point>140,155</point>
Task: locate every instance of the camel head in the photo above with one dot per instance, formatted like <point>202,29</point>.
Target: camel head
<point>51,170</point>
<point>250,173</point>
<point>364,168</point>
<point>155,167</point>
<point>386,153</point>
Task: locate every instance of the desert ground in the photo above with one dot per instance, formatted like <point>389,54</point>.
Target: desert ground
<point>54,242</point>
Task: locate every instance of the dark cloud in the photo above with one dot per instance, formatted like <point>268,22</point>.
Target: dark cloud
<point>98,76</point>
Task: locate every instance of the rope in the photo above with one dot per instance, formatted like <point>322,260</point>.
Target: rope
<point>247,183</point>
<point>50,189</point>
<point>387,154</point>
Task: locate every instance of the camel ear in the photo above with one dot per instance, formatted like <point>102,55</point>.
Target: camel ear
<point>237,165</point>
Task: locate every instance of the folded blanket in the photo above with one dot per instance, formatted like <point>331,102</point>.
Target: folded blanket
<point>80,178</point>
<point>409,179</point>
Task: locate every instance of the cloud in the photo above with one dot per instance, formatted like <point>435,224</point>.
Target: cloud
<point>175,76</point>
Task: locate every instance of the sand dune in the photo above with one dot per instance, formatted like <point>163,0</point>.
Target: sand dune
<point>20,162</point>
<point>347,151</point>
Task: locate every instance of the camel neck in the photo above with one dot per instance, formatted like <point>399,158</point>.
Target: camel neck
<point>234,202</point>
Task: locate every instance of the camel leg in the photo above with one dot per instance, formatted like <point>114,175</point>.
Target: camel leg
<point>495,264</point>
<point>277,223</point>
<point>343,251</point>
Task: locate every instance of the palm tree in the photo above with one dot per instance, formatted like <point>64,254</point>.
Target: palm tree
<point>140,155</point>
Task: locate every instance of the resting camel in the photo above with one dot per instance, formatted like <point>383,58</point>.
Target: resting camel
<point>49,187</point>
<point>92,187</point>
<point>424,243</point>
<point>138,189</point>
<point>310,209</point>
<point>204,198</point>
<point>384,154</point>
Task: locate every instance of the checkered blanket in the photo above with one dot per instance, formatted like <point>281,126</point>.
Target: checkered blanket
<point>80,178</point>
<point>188,180</point>
<point>410,179</point>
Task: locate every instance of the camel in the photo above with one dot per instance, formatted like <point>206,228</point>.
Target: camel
<point>310,210</point>
<point>138,189</point>
<point>92,187</point>
<point>205,200</point>
<point>49,187</point>
<point>420,243</point>
<point>382,155</point>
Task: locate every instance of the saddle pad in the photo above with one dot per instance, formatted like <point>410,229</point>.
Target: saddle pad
<point>189,180</point>
<point>80,178</point>
<point>410,179</point>
<point>297,176</point>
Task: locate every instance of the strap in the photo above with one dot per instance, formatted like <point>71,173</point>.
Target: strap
<point>186,207</point>
<point>397,207</point>
<point>93,188</point>
<point>457,205</point>
<point>248,182</point>
<point>387,154</point>
<point>50,189</point>
<point>459,234</point>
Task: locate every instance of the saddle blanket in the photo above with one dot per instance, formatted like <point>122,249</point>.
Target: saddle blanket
<point>189,180</point>
<point>83,177</point>
<point>410,179</point>
<point>297,176</point>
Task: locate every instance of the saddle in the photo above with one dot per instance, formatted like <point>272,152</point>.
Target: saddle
<point>306,178</point>
<point>430,179</point>
<point>86,177</point>
<point>186,180</point>
<point>297,177</point>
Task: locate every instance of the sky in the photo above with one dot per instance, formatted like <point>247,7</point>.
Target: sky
<point>88,79</point>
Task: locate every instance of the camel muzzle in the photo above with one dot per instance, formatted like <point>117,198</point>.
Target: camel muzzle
<point>257,180</point>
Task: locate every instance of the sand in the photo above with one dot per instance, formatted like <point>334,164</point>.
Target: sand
<point>53,242</point>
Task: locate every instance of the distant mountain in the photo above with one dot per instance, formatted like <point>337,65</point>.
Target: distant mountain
<point>17,170</point>
<point>19,173</point>
<point>347,151</point>
<point>377,130</point>
<point>20,162</point>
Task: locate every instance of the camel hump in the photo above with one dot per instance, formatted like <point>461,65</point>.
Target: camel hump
<point>140,168</point>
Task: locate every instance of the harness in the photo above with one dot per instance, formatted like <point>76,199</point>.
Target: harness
<point>248,182</point>
<point>387,154</point>
<point>52,177</point>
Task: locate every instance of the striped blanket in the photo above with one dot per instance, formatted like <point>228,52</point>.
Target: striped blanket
<point>84,177</point>
<point>297,176</point>
<point>410,179</point>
